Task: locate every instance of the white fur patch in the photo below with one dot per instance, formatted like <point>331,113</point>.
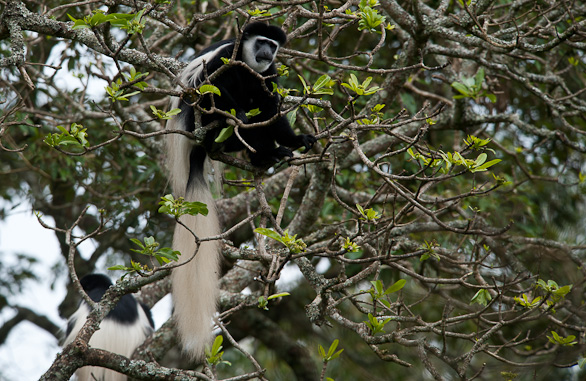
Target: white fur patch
<point>249,54</point>
<point>193,70</point>
<point>112,336</point>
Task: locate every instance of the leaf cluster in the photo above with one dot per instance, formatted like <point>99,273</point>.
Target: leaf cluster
<point>215,353</point>
<point>76,136</point>
<point>179,207</point>
<point>361,88</point>
<point>331,354</point>
<point>132,23</point>
<point>294,244</point>
<point>471,87</point>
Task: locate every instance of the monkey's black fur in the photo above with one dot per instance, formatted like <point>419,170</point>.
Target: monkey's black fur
<point>125,311</point>
<point>242,91</point>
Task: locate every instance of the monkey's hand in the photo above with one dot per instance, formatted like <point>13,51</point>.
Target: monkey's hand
<point>306,141</point>
<point>268,158</point>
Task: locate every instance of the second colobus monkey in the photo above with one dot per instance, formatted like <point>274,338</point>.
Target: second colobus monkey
<point>126,327</point>
<point>195,284</point>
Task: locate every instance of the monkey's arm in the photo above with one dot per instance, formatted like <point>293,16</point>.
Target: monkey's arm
<point>285,136</point>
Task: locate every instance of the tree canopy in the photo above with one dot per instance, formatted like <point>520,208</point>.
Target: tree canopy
<point>435,231</point>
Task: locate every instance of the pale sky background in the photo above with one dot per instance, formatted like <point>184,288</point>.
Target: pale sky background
<point>29,350</point>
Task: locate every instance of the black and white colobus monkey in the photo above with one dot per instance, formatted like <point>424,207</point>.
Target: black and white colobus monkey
<point>195,284</point>
<point>126,327</point>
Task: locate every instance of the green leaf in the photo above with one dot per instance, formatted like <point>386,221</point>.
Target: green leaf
<point>306,89</point>
<point>164,115</point>
<point>174,112</point>
<point>131,94</point>
<point>350,246</point>
<point>253,112</point>
<point>313,108</point>
<point>332,353</point>
<point>396,286</point>
<point>370,19</point>
<point>274,296</point>
<point>321,351</point>
<point>206,89</point>
<point>366,82</point>
<point>323,85</point>
<point>385,302</point>
<point>224,134</point>
<point>461,88</point>
<point>137,242</point>
<point>378,286</point>
<point>217,346</point>
<point>525,302</point>
<point>283,71</point>
<point>480,159</point>
<point>292,116</point>
<point>76,136</point>
<point>487,165</point>
<point>179,207</point>
<point>369,214</point>
<point>353,80</point>
<point>214,354</point>
<point>481,297</point>
<point>118,268</point>
<point>563,291</point>
<point>263,303</point>
<point>321,82</point>
<point>168,255</point>
<point>259,12</point>
<point>479,77</point>
<point>194,208</point>
<point>78,23</point>
<point>375,324</point>
<point>294,244</point>
<point>270,233</point>
<point>560,340</point>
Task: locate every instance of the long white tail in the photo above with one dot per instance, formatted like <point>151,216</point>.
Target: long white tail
<point>194,284</point>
